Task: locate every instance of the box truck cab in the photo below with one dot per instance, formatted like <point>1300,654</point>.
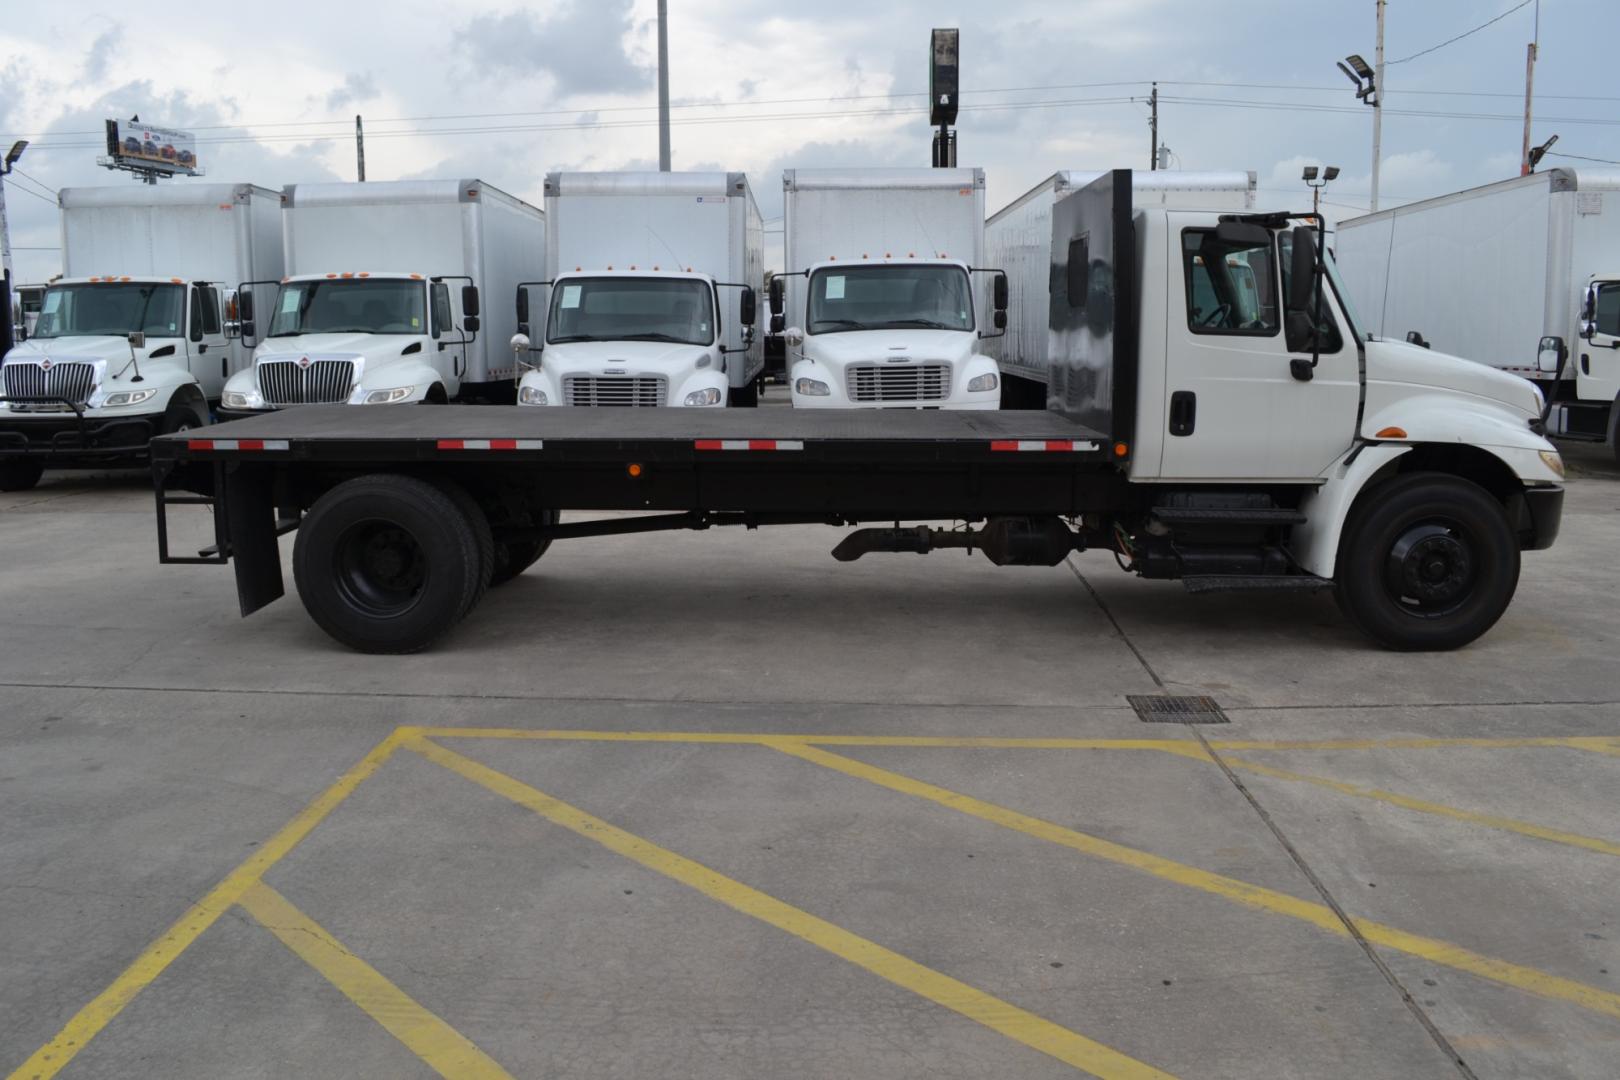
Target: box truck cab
<point>382,305</point>
<point>358,337</point>
<point>648,298</point>
<point>884,303</point>
<point>141,334</point>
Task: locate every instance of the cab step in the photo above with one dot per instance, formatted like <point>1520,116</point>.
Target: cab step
<point>1203,583</point>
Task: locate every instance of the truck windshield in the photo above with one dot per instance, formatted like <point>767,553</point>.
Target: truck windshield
<point>117,309</point>
<point>631,309</point>
<point>351,305</point>
<point>889,298</point>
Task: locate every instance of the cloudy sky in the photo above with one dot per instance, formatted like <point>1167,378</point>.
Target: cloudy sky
<point>508,91</point>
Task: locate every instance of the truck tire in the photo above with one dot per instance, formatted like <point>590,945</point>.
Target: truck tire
<point>183,415</point>
<point>745,397</point>
<point>387,563</point>
<point>20,474</point>
<point>513,558</point>
<point>481,535</point>
<point>1427,562</point>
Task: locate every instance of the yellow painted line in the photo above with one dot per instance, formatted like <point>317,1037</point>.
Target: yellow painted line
<point>1254,896</point>
<point>1187,747</point>
<point>49,1059</point>
<point>1009,1020</point>
<point>1575,742</point>
<point>1525,828</point>
<point>441,1047</point>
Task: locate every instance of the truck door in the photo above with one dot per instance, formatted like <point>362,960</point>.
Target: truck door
<point>1597,375</point>
<point>1232,407</point>
<point>450,346</point>
<point>209,350</point>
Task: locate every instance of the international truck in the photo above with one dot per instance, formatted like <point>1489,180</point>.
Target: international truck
<point>381,305</point>
<point>1017,240</point>
<point>882,303</point>
<point>1523,275</point>
<point>1272,445</point>
<point>139,335</point>
<point>649,293</point>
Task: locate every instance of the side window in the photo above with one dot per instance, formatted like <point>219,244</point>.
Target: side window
<point>1606,310</point>
<point>1231,289</point>
<point>443,320</point>
<point>1332,340</point>
<point>1078,272</point>
<point>208,305</point>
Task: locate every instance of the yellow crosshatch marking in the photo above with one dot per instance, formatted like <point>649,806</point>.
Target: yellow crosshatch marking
<point>451,1054</point>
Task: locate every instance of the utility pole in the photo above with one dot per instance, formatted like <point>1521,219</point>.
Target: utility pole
<point>663,85</point>
<point>1153,126</point>
<point>1378,106</point>
<point>6,341</point>
<point>1529,93</point>
<point>359,148</point>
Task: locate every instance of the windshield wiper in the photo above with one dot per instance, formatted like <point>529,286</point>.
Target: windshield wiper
<point>568,339</point>
<point>653,337</point>
<point>845,324</point>
<point>924,324</point>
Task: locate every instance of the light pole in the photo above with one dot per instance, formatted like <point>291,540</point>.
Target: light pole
<point>6,335</point>
<point>663,85</point>
<point>1328,174</point>
<point>1369,88</point>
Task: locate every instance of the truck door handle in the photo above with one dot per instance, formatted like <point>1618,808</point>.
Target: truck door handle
<point>1183,412</point>
<point>202,348</point>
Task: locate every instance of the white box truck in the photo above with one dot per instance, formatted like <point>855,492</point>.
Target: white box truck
<point>1017,240</point>
<point>649,292</point>
<point>1523,275</point>
<point>882,298</point>
<point>381,305</point>
<point>139,335</point>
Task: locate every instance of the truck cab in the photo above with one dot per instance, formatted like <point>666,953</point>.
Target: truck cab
<point>112,361</point>
<point>629,337</point>
<point>891,334</point>
<point>355,337</point>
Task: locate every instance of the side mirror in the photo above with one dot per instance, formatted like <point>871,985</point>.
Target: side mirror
<point>137,339</point>
<point>749,306</point>
<point>1000,298</point>
<point>1551,354</point>
<point>470,324</point>
<point>1413,337</point>
<point>244,305</point>
<point>522,304</point>
<point>520,344</point>
<point>777,323</point>
<point>747,336</point>
<point>469,301</point>
<point>1302,276</point>
<point>1000,318</point>
<point>249,331</point>
<point>776,296</point>
<point>793,336</point>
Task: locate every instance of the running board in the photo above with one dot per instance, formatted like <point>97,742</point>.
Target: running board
<point>1248,582</point>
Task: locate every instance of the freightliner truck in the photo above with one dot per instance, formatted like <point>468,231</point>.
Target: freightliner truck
<point>382,302</point>
<point>1272,445</point>
<point>649,298</point>
<point>140,334</point>
<point>1523,275</point>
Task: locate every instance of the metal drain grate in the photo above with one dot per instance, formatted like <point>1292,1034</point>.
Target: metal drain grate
<point>1159,709</point>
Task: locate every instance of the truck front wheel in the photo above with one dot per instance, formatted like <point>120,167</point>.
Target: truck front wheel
<point>20,474</point>
<point>1427,562</point>
<point>387,563</point>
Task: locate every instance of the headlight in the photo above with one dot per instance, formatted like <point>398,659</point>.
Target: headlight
<point>388,397</point>
<point>532,395</point>
<point>983,382</point>
<point>232,400</point>
<point>1551,459</point>
<point>711,396</point>
<point>129,397</point>
<point>811,388</point>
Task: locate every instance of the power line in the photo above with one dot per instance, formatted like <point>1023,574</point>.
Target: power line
<point>1467,33</point>
<point>41,183</point>
<point>1401,90</point>
<point>1578,157</point>
<point>1425,113</point>
<point>14,186</point>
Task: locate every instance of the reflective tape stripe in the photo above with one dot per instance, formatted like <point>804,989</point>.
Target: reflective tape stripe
<point>236,444</point>
<point>1060,445</point>
<point>749,444</point>
<point>490,444</point>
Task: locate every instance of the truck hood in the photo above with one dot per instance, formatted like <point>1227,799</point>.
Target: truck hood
<point>896,346</point>
<point>374,347</point>
<point>1396,364</point>
<point>85,349</point>
<point>640,355</point>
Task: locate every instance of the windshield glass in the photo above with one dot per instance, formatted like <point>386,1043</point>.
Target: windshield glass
<point>631,309</point>
<point>889,298</point>
<point>1357,327</point>
<point>117,309</point>
<point>350,305</point>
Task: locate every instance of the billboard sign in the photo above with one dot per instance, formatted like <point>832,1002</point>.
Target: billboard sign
<point>132,144</point>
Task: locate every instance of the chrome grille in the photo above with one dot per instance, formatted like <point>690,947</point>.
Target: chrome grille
<point>284,382</point>
<point>636,390</point>
<point>72,381</point>
<point>899,382</point>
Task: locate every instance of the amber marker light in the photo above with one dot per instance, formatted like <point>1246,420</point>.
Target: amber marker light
<point>1391,433</point>
<point>634,470</point>
<point>1120,449</point>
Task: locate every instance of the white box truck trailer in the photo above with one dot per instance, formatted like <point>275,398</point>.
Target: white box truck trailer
<point>1017,240</point>
<point>381,305</point>
<point>882,298</point>
<point>139,335</point>
<point>1523,275</point>
<point>649,292</point>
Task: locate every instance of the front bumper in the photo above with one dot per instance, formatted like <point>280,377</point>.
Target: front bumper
<point>1543,516</point>
<point>74,435</point>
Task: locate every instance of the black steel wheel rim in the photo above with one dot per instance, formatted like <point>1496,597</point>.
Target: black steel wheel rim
<point>381,569</point>
<point>1431,569</point>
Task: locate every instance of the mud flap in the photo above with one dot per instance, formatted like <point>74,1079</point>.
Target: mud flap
<point>250,514</point>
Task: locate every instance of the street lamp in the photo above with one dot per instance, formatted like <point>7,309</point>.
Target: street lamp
<point>1540,152</point>
<point>1327,175</point>
<point>6,335</point>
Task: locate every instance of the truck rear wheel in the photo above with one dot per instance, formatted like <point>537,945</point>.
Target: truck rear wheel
<point>20,474</point>
<point>387,563</point>
<point>481,536</point>
<point>746,396</point>
<point>1427,562</point>
<point>511,559</point>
